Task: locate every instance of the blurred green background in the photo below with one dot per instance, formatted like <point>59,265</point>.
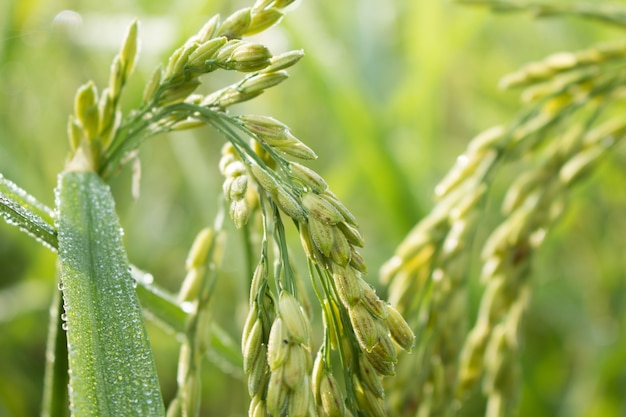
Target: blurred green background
<point>388,94</point>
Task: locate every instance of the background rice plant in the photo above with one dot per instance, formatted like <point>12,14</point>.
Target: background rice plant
<point>388,95</point>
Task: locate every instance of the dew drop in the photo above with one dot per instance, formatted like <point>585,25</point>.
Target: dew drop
<point>67,20</point>
<point>148,278</point>
<point>187,306</point>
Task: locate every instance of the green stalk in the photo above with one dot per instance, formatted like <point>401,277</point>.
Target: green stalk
<point>55,397</point>
<point>112,371</point>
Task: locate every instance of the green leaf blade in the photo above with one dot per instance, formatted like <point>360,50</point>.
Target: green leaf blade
<point>22,210</point>
<point>112,371</point>
<point>55,398</point>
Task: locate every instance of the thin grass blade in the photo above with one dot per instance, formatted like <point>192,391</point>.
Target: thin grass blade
<point>22,210</point>
<point>161,307</point>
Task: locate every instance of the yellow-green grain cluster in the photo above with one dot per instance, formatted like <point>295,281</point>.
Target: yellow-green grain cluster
<point>105,139</point>
<point>235,185</point>
<point>289,359</point>
<point>358,324</point>
<point>220,45</point>
<point>427,276</point>
<point>364,330</point>
<point>532,204</point>
<point>96,117</point>
<point>276,350</point>
<point>567,126</point>
<point>195,294</point>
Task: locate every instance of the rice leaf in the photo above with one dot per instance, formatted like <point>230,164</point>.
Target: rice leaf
<point>112,371</point>
<point>22,210</point>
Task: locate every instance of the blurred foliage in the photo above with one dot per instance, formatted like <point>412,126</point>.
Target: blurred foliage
<point>387,95</point>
